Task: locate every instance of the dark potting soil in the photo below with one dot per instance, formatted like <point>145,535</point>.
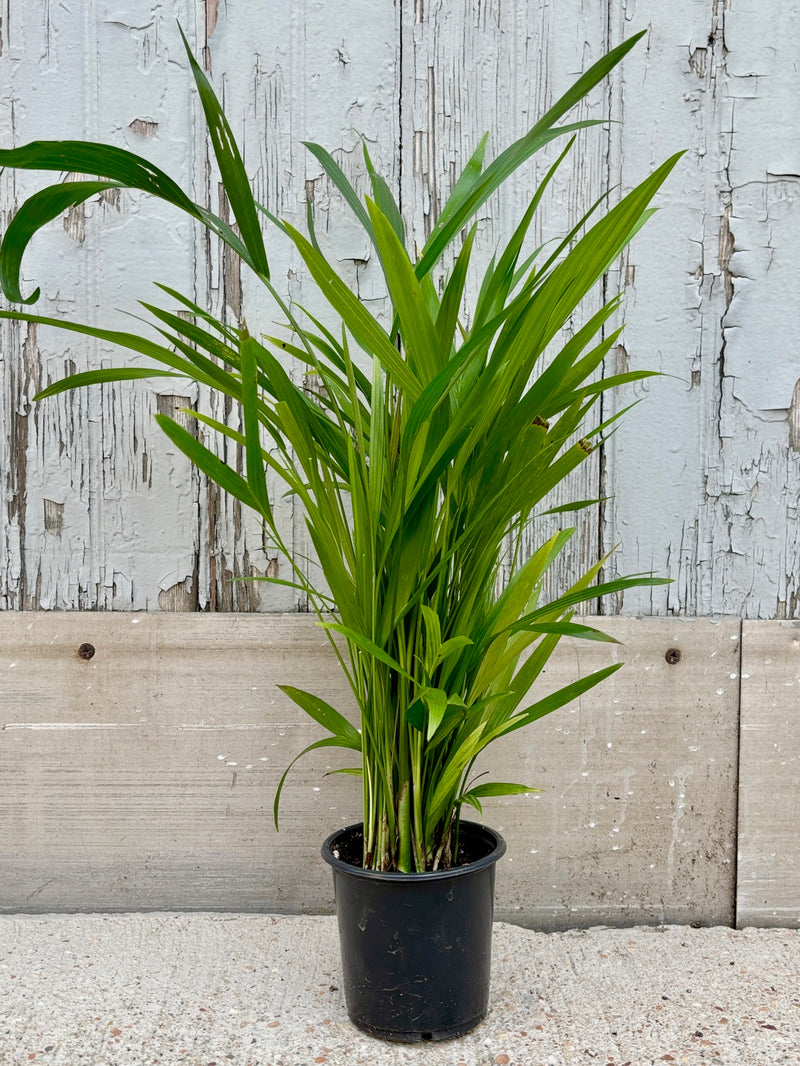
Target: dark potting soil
<point>350,849</point>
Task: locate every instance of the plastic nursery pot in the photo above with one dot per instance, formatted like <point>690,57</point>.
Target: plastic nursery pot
<point>416,948</point>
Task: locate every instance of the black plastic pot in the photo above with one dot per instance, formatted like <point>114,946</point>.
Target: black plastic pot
<point>416,948</point>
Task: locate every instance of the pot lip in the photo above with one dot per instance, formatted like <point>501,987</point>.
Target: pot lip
<point>342,867</point>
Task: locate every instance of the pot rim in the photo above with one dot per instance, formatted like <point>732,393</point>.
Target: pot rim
<point>342,867</point>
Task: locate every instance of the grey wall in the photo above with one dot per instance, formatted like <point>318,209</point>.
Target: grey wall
<point>97,511</point>
<point>143,777</point>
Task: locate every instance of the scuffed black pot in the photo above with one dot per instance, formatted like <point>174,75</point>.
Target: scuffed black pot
<point>416,948</point>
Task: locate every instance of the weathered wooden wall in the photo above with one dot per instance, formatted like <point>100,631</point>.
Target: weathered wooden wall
<point>96,511</point>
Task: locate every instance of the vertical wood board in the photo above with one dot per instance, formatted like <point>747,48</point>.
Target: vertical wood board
<point>98,509</point>
<point>494,69</point>
<point>705,473</point>
<point>636,820</point>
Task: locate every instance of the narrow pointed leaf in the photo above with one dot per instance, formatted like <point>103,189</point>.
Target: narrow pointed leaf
<point>342,183</point>
<point>36,212</point>
<point>256,477</point>
<point>231,167</point>
<point>209,463</point>
<point>325,715</point>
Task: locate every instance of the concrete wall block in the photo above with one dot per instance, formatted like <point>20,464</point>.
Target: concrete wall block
<point>139,756</point>
<point>769,833</point>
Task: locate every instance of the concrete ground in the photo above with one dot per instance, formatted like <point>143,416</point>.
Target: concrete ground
<point>259,990</point>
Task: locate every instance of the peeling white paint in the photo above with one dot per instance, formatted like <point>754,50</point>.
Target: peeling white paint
<point>98,511</point>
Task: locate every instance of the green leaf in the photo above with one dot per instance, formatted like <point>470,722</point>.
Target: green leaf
<point>467,181</point>
<point>361,324</point>
<point>38,210</point>
<point>116,164</point>
<point>99,377</point>
<point>231,168</point>
<point>416,714</point>
<point>256,477</point>
<point>367,645</point>
<point>447,318</point>
<point>498,788</point>
<point>417,328</point>
<point>433,632</point>
<point>384,199</point>
<point>571,629</point>
<point>451,646</point>
<point>325,715</point>
<point>340,180</point>
<point>435,700</point>
<point>211,465</point>
<point>555,701</point>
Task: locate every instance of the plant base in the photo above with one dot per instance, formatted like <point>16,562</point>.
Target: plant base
<point>416,948</point>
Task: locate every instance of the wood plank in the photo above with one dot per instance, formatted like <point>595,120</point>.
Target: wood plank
<point>143,777</point>
<point>149,770</point>
<point>768,883</point>
<point>705,473</point>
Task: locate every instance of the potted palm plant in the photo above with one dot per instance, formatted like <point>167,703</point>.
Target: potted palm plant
<point>431,440</point>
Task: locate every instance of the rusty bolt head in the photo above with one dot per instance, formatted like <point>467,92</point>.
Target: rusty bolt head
<point>86,651</point>
<point>672,655</point>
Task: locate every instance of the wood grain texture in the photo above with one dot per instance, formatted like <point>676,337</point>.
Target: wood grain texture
<point>706,473</point>
<point>701,480</point>
<point>143,777</point>
<point>636,820</point>
<point>138,529</point>
<point>769,796</point>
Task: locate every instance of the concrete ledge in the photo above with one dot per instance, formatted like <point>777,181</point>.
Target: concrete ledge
<point>259,990</point>
<point>138,773</point>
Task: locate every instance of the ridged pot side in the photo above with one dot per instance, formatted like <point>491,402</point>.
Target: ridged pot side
<point>416,948</point>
